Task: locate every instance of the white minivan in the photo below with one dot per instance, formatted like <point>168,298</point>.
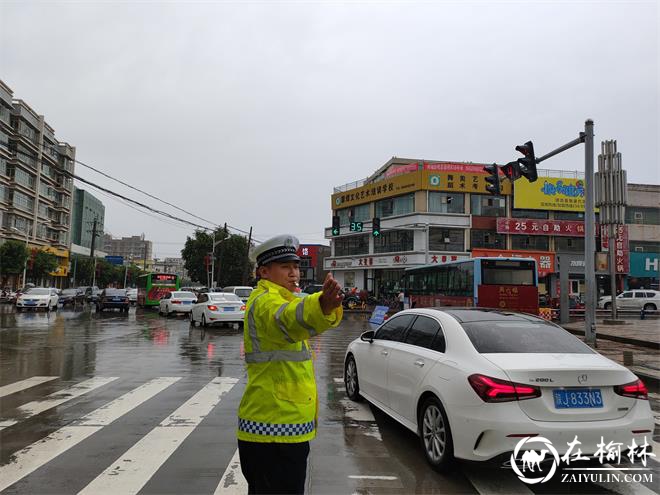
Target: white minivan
<point>241,291</point>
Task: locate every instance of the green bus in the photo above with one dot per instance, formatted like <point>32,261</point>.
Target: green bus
<point>153,286</point>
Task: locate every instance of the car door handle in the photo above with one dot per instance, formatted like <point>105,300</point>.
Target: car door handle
<point>384,352</point>
<point>419,363</point>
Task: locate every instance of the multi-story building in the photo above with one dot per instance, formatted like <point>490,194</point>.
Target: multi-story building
<point>35,181</point>
<point>432,212</point>
<point>171,265</point>
<point>135,248</point>
<point>86,209</point>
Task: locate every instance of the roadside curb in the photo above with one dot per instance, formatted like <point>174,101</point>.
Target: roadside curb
<point>618,338</point>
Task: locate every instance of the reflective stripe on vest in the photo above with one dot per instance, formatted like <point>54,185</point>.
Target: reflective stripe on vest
<point>300,311</point>
<point>278,314</point>
<point>257,356</point>
<point>280,430</point>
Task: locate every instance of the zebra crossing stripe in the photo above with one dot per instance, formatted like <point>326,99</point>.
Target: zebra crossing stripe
<point>39,453</point>
<point>232,482</point>
<point>133,469</point>
<point>57,398</point>
<point>12,388</point>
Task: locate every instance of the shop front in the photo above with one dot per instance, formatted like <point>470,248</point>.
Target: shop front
<point>644,271</point>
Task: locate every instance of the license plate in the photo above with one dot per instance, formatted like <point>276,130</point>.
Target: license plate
<point>30,303</point>
<point>578,398</point>
<point>187,302</point>
<point>116,299</point>
<point>231,308</point>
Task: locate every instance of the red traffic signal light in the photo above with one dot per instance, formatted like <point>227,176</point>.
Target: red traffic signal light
<point>511,170</point>
<point>527,162</point>
<point>493,179</point>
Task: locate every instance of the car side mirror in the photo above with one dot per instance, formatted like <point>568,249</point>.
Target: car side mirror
<point>368,336</point>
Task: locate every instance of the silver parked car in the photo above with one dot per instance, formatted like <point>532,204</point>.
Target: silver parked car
<point>638,299</point>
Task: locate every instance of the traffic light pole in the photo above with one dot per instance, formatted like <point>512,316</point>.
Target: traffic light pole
<point>589,235</point>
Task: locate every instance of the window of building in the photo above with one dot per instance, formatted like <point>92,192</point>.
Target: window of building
<point>5,114</point>
<point>43,210</point>
<point>569,244</point>
<point>645,216</point>
<point>487,205</point>
<point>23,201</point>
<point>399,205</point>
<point>446,239</point>
<point>24,178</point>
<point>539,243</point>
<point>3,166</point>
<point>352,245</point>
<point>442,202</point>
<point>392,241</point>
<point>354,214</point>
<point>569,215</point>
<point>487,239</point>
<point>4,193</point>
<point>520,213</point>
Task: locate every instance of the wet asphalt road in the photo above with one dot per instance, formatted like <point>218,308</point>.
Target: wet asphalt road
<point>172,392</point>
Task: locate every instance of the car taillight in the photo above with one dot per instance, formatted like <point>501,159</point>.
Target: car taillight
<point>636,390</point>
<point>243,307</point>
<point>212,307</point>
<point>175,302</point>
<point>496,390</point>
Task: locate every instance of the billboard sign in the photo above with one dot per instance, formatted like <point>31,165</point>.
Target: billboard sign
<point>115,260</point>
<point>550,193</point>
<point>529,226</point>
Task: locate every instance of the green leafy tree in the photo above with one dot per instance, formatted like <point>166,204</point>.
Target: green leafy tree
<point>231,260</point>
<point>41,264</point>
<point>13,255</point>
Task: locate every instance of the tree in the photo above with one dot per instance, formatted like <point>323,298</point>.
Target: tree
<point>231,261</point>
<point>13,255</point>
<point>41,264</point>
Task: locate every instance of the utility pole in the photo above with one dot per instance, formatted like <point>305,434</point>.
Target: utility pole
<point>247,258</point>
<point>222,251</point>
<point>212,262</point>
<point>589,235</point>
<point>91,252</point>
<point>144,261</point>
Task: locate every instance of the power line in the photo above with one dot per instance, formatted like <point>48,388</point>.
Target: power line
<point>142,205</point>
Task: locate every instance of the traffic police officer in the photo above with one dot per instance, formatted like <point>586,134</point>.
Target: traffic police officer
<point>278,412</point>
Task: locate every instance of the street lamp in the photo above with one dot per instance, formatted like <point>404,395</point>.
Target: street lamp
<point>27,233</point>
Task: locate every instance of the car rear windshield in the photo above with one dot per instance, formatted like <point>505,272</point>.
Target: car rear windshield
<point>522,337</point>
<point>224,296</point>
<point>243,292</point>
<point>115,292</point>
<point>69,292</point>
<point>38,292</point>
<point>184,294</point>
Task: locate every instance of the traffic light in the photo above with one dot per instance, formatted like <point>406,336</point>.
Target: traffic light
<point>527,162</point>
<point>493,179</point>
<point>511,170</point>
<point>375,227</point>
<point>335,225</point>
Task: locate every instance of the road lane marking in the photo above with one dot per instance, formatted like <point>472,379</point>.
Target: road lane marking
<point>232,482</point>
<point>42,451</point>
<point>12,388</point>
<point>57,398</point>
<point>372,477</point>
<point>504,483</point>
<point>133,469</point>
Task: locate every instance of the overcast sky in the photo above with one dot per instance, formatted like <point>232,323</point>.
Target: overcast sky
<point>251,112</point>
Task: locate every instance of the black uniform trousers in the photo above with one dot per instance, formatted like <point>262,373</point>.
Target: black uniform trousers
<point>274,467</point>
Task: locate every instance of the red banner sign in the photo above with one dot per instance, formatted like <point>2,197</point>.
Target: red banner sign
<point>622,251</point>
<point>545,260</point>
<point>529,226</point>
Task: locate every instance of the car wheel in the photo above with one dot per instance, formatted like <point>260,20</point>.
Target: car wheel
<point>351,379</point>
<point>204,324</point>
<point>607,305</point>
<point>649,307</point>
<point>435,434</point>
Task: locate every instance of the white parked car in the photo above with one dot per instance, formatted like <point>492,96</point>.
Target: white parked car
<point>176,302</point>
<point>637,299</point>
<point>217,307</point>
<point>471,383</point>
<point>38,298</point>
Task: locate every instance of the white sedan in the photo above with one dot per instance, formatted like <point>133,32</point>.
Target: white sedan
<point>217,307</point>
<point>38,298</point>
<point>176,302</point>
<point>473,383</point>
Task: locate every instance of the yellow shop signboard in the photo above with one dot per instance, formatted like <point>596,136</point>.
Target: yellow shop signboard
<point>549,193</point>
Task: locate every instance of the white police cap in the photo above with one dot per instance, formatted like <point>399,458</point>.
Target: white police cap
<point>279,248</point>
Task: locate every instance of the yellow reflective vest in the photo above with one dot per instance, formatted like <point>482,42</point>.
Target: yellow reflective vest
<point>280,402</point>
